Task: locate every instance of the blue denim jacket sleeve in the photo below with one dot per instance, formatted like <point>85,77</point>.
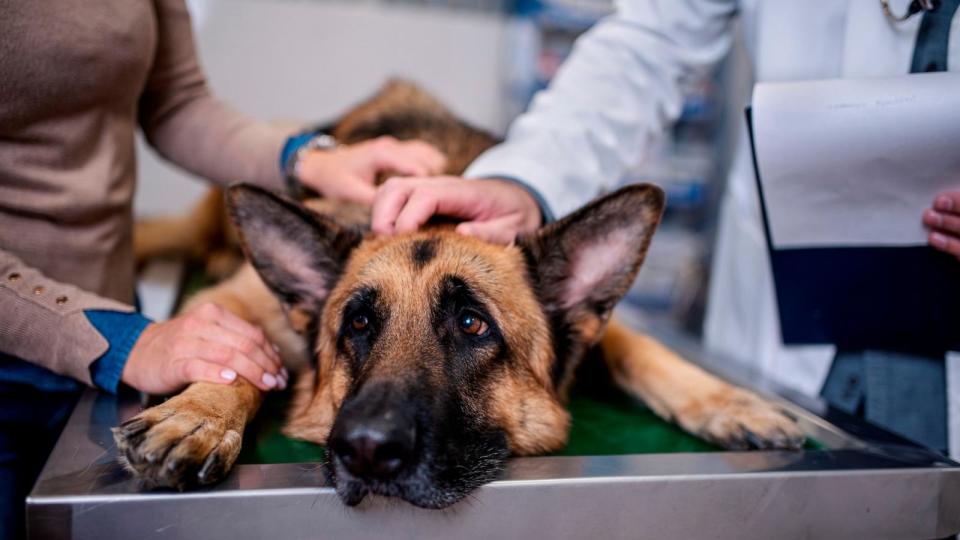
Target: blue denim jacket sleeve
<point>121,330</point>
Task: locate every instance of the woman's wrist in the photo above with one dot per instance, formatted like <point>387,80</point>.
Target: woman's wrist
<point>297,153</point>
<point>121,331</point>
<point>535,210</point>
<point>313,168</point>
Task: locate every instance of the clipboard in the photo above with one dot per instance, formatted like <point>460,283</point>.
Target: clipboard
<point>902,298</point>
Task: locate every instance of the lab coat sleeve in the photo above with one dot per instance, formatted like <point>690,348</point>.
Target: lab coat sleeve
<point>618,90</point>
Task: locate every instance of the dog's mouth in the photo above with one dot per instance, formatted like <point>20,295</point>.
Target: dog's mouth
<point>424,480</point>
<point>418,492</point>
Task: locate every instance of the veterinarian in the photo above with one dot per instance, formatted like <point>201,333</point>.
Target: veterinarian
<point>620,89</point>
<point>79,77</point>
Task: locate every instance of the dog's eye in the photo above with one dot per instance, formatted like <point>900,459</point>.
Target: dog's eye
<point>360,322</point>
<point>473,324</point>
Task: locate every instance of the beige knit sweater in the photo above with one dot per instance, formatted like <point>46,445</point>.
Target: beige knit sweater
<point>77,78</point>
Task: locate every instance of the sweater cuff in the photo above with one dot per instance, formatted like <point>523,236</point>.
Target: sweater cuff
<point>121,330</point>
<point>291,146</point>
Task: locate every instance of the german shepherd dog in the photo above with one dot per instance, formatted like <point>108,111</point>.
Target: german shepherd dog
<point>434,356</point>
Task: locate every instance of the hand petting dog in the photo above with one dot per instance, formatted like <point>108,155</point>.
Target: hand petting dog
<point>349,173</point>
<point>943,219</point>
<point>493,210</point>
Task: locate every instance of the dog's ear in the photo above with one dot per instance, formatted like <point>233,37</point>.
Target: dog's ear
<point>298,254</point>
<point>583,264</point>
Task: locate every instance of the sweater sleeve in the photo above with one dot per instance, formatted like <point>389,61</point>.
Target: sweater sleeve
<point>43,322</point>
<point>187,125</point>
<point>121,330</point>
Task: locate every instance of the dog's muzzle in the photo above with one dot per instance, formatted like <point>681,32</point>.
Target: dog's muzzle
<point>375,435</point>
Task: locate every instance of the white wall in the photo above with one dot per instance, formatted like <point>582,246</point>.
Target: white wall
<point>308,60</point>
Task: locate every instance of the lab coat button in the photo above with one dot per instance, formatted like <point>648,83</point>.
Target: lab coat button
<point>61,300</point>
<point>13,277</point>
<point>38,290</point>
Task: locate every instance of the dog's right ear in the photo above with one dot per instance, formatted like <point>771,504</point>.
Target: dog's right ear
<point>298,254</point>
<point>582,265</point>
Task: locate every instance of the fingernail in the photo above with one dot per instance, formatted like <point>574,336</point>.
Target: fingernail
<point>269,380</point>
<point>228,374</point>
<point>285,373</point>
<point>943,203</point>
<point>938,240</point>
<point>275,348</point>
<point>281,384</point>
<point>934,219</point>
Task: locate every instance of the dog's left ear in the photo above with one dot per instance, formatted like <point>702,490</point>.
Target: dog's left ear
<point>583,264</point>
<point>299,254</point>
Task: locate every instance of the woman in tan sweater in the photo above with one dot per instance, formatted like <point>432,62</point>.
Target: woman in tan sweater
<point>77,78</point>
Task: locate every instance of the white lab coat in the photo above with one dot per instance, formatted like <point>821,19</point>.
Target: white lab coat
<point>619,90</point>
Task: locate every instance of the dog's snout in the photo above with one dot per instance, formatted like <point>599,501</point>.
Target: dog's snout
<point>370,451</point>
<point>374,440</point>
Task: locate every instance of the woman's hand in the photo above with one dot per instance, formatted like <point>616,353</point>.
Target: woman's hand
<point>208,344</point>
<point>349,173</point>
<point>944,222</point>
<point>494,210</point>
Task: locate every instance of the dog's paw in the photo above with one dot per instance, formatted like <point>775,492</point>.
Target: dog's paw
<point>739,420</point>
<point>177,447</point>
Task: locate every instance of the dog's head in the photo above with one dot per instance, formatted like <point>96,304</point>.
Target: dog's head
<point>438,355</point>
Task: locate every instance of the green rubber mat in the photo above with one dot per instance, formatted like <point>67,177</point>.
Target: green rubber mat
<point>602,424</point>
<point>606,421</point>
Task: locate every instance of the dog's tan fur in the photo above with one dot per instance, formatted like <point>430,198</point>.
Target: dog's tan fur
<point>199,430</point>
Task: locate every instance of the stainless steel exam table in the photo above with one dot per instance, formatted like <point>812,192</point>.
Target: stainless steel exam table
<point>856,482</point>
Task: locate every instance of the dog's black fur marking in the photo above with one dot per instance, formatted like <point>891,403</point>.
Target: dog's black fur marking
<point>469,357</point>
<point>357,344</point>
<point>424,251</point>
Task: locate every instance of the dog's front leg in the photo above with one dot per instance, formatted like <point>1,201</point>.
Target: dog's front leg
<point>696,400</point>
<point>192,438</point>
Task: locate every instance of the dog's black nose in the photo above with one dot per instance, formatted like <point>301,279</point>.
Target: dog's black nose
<point>371,452</point>
<point>376,447</point>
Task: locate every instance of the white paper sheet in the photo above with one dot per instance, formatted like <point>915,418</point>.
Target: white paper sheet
<point>854,162</point>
